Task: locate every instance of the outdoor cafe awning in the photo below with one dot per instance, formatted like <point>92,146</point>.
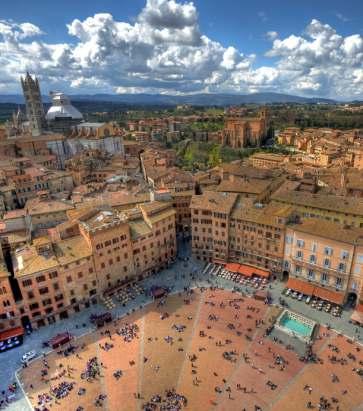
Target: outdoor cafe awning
<point>332,296</point>
<point>232,267</point>
<point>246,270</point>
<point>13,332</point>
<point>300,286</point>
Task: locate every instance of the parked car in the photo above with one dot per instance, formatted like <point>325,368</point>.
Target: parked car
<point>308,299</point>
<point>30,355</point>
<point>300,297</point>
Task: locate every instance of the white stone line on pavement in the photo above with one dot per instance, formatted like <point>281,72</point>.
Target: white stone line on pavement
<point>20,385</point>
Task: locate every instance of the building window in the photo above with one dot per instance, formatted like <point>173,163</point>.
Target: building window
<point>300,243</point>
<point>344,255</point>
<point>311,275</point>
<point>40,278</point>
<point>299,255</point>
<point>297,269</point>
<point>328,251</point>
<point>43,290</point>
<point>314,247</point>
<point>326,263</point>
<point>324,278</point>
<point>27,283</point>
<point>69,279</point>
<point>339,282</point>
<point>341,267</point>
<point>53,274</point>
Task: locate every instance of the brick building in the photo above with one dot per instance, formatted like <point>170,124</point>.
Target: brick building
<point>241,130</point>
<point>97,250</point>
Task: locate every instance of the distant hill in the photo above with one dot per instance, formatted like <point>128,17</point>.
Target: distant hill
<point>195,99</point>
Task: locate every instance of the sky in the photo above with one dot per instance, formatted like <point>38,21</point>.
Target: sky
<point>310,48</point>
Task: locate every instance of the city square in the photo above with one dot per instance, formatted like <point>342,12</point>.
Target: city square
<point>202,322</point>
<point>181,205</point>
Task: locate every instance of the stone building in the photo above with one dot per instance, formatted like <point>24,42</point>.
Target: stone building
<point>229,228</point>
<point>325,259</point>
<point>34,105</point>
<point>98,249</point>
<point>241,130</point>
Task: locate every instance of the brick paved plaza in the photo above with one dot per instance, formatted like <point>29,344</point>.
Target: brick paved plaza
<point>150,364</point>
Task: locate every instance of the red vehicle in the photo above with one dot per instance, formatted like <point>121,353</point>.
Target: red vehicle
<point>60,339</point>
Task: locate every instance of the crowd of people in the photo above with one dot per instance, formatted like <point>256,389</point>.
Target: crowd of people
<point>62,390</point>
<point>8,395</point>
<point>128,332</point>
<point>170,401</point>
<point>92,370</point>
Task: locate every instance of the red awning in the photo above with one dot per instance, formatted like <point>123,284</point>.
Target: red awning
<point>245,270</point>
<point>260,272</point>
<point>232,267</point>
<point>60,339</point>
<point>332,296</point>
<point>13,332</point>
<point>300,286</point>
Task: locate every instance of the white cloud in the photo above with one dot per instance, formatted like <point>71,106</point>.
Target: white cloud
<point>163,50</point>
<point>272,35</point>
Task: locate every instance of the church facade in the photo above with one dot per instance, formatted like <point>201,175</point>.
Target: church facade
<point>241,130</point>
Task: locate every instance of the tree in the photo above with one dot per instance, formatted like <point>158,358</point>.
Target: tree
<point>214,156</point>
<point>189,156</point>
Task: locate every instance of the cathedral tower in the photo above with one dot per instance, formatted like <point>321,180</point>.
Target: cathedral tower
<point>34,105</point>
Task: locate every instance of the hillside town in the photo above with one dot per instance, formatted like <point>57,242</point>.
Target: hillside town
<point>90,209</point>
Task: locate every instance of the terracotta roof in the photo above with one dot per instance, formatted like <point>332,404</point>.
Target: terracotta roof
<point>344,205</point>
<point>329,229</point>
<point>241,185</point>
<point>9,215</point>
<point>72,249</point>
<point>214,201</point>
<point>36,206</point>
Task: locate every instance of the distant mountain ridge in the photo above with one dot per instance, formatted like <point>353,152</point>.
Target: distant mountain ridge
<point>194,99</point>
